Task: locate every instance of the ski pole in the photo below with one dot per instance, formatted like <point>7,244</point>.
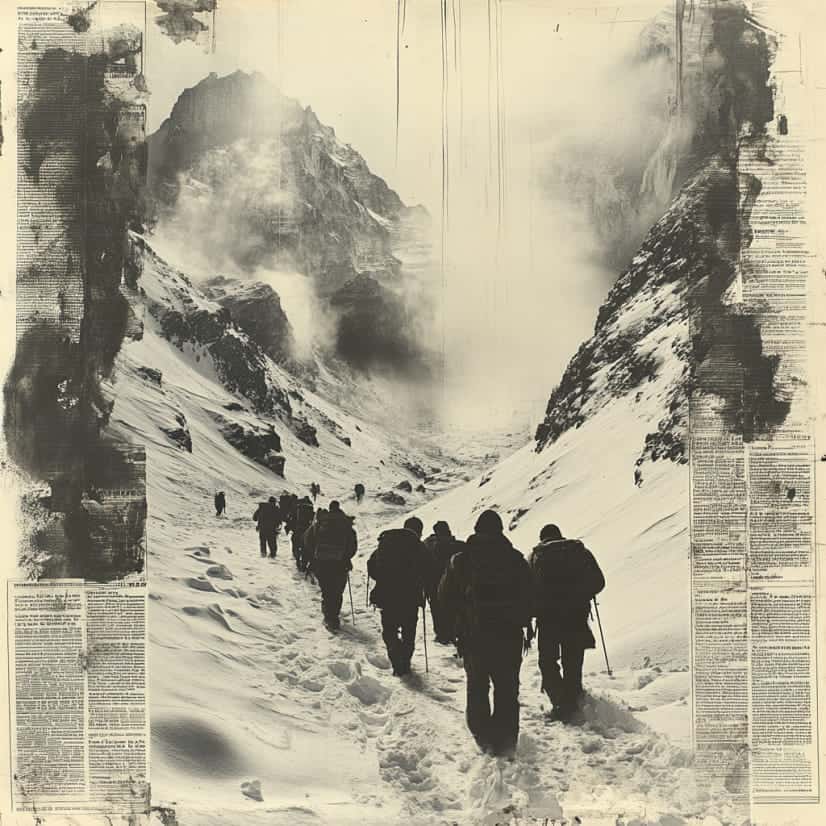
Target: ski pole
<point>602,637</point>
<point>366,589</point>
<point>352,607</point>
<point>424,637</point>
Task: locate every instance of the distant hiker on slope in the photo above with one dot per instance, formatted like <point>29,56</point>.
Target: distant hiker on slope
<point>399,565</point>
<point>300,521</point>
<point>315,490</point>
<point>442,546</point>
<point>566,578</point>
<point>268,519</point>
<point>332,544</point>
<point>220,503</point>
<point>359,491</point>
<point>486,596</point>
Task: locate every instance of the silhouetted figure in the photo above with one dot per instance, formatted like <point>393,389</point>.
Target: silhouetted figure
<point>783,125</point>
<point>359,489</point>
<point>332,544</point>
<point>441,545</point>
<point>300,521</point>
<point>220,503</point>
<point>268,519</point>
<point>486,594</point>
<point>400,567</point>
<point>566,578</point>
<point>315,490</point>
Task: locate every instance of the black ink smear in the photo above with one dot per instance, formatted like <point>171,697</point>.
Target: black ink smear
<point>179,22</point>
<point>80,20</point>
<point>56,408</point>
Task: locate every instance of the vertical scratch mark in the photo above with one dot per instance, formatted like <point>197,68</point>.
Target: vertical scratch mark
<point>398,69</point>
<point>214,8</point>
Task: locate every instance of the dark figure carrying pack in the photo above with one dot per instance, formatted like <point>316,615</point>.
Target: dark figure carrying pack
<point>359,491</point>
<point>442,546</point>
<point>268,519</point>
<point>300,520</point>
<point>486,595</point>
<point>566,578</point>
<point>400,568</point>
<point>332,543</point>
<point>315,490</point>
<point>220,503</point>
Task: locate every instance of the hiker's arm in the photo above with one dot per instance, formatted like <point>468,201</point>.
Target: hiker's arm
<point>596,579</point>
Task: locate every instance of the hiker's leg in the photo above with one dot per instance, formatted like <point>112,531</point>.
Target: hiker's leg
<point>573,657</point>
<point>549,654</point>
<point>262,543</point>
<point>505,666</point>
<point>477,708</point>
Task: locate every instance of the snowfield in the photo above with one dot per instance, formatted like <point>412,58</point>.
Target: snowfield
<point>259,715</point>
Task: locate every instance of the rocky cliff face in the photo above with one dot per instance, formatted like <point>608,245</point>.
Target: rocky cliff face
<point>671,316</point>
<point>262,183</point>
<point>256,309</point>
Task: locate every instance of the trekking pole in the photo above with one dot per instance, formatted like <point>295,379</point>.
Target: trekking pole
<point>602,637</point>
<point>366,589</point>
<point>352,607</point>
<point>424,637</point>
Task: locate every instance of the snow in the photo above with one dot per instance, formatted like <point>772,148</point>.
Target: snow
<point>259,715</point>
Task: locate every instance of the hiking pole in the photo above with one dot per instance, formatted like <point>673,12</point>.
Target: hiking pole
<point>602,637</point>
<point>352,607</point>
<point>366,589</point>
<point>424,637</point>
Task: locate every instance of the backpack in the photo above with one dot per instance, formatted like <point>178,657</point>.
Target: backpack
<point>304,515</point>
<point>494,593</point>
<point>330,543</point>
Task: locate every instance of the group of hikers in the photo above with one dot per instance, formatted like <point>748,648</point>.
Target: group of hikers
<point>484,597</point>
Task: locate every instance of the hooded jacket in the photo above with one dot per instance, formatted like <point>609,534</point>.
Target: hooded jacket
<point>566,578</point>
<point>492,561</point>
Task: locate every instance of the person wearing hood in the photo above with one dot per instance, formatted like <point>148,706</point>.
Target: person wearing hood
<point>566,578</point>
<point>486,596</point>
<point>442,546</point>
<point>399,565</point>
<point>332,543</point>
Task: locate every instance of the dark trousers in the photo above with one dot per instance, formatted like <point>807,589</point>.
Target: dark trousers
<point>398,630</point>
<point>332,577</point>
<point>494,659</point>
<point>298,550</point>
<point>268,539</point>
<point>564,687</point>
<point>441,624</point>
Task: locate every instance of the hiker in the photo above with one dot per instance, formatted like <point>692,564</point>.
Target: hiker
<point>300,521</point>
<point>309,542</point>
<point>359,491</point>
<point>486,596</point>
<point>315,490</point>
<point>566,578</point>
<point>441,545</point>
<point>399,565</point>
<point>332,543</point>
<point>220,503</point>
<point>268,519</point>
<point>287,503</point>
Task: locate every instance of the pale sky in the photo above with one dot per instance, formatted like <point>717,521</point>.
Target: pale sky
<point>528,280</point>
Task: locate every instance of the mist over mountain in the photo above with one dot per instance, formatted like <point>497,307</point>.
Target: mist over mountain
<point>251,184</point>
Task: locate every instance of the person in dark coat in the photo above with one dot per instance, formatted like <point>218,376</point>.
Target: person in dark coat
<point>486,596</point>
<point>399,565</point>
<point>441,546</point>
<point>332,543</point>
<point>268,519</point>
<point>301,520</point>
<point>566,578</point>
<point>220,503</point>
<point>359,491</point>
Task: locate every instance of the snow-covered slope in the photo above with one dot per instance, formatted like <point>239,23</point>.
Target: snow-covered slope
<point>250,692</point>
